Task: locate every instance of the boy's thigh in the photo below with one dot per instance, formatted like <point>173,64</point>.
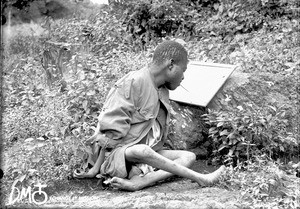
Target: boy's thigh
<point>175,154</point>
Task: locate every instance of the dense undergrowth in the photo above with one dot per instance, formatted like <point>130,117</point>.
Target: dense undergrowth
<point>52,100</point>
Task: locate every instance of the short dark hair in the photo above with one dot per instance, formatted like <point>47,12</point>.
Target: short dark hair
<point>169,50</point>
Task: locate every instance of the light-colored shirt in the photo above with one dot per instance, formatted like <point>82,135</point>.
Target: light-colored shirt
<point>132,108</point>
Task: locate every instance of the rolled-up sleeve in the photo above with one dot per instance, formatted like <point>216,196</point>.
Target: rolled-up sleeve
<point>116,116</point>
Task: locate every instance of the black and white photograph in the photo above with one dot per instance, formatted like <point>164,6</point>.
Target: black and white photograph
<point>179,104</point>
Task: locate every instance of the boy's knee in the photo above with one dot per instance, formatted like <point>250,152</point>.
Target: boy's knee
<point>138,152</point>
<point>190,156</point>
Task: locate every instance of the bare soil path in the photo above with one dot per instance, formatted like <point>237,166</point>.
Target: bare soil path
<point>173,193</point>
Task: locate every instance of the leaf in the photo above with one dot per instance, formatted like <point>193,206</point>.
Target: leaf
<point>212,129</point>
<point>269,117</point>
<point>91,92</point>
<point>32,171</point>
<point>231,151</point>
<point>40,144</point>
<point>239,146</point>
<point>231,135</point>
<point>262,121</point>
<point>220,124</point>
<point>241,128</point>
<point>29,139</point>
<point>84,104</point>
<point>228,98</point>
<point>16,171</point>
<point>216,6</point>
<point>282,114</point>
<point>273,182</point>
<point>273,108</point>
<point>222,146</point>
<point>240,107</point>
<point>240,27</point>
<point>221,8</point>
<point>281,148</point>
<point>224,132</point>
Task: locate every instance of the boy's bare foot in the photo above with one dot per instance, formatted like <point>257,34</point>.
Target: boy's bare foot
<point>133,184</point>
<point>211,178</point>
<point>139,182</point>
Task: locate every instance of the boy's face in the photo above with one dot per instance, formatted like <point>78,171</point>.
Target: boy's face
<point>175,75</point>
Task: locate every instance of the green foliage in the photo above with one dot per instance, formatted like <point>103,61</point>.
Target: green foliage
<point>31,110</point>
<point>32,10</point>
<point>147,21</point>
<point>263,184</point>
<point>20,83</point>
<point>20,44</point>
<point>101,34</point>
<point>234,17</point>
<point>43,159</point>
<point>241,134</point>
<point>237,17</point>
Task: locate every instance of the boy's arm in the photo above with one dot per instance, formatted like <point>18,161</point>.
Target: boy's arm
<point>115,118</point>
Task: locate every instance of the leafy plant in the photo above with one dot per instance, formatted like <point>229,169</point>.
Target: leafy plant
<point>239,135</point>
<point>263,184</point>
<point>43,159</point>
<point>150,20</point>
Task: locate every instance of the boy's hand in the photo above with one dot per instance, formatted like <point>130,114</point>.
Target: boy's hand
<point>102,140</point>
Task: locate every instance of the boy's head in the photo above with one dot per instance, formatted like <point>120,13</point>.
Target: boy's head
<point>169,50</point>
<point>170,59</point>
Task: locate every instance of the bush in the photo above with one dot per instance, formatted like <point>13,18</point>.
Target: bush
<point>148,21</point>
<point>52,122</point>
<point>263,184</point>
<point>241,135</point>
<point>26,45</point>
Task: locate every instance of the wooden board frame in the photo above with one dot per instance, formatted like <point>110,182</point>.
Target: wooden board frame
<point>201,82</point>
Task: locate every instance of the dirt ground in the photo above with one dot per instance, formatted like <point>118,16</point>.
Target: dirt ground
<point>176,194</point>
<point>172,193</point>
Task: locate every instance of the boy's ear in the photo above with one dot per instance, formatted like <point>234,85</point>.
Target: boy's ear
<point>171,63</point>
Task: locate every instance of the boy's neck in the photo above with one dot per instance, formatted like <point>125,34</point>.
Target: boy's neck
<point>158,75</point>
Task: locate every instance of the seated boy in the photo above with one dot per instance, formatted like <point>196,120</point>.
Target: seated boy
<point>134,123</point>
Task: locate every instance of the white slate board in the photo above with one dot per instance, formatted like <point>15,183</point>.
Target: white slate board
<point>201,82</point>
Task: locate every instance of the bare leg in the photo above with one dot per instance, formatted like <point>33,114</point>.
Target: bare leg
<point>171,162</point>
